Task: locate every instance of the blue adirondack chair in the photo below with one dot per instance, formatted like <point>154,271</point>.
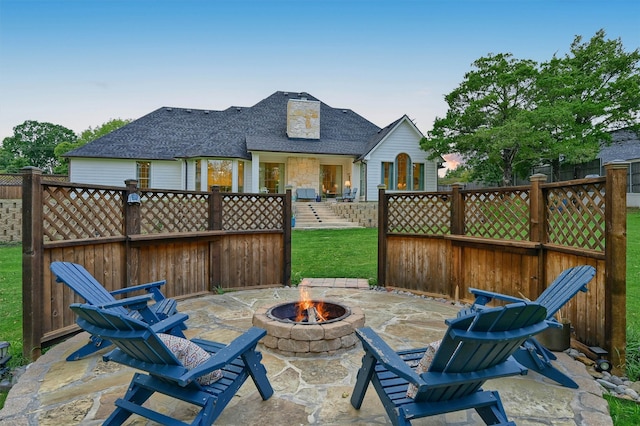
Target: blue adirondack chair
<point>533,354</point>
<point>86,286</point>
<point>475,348</point>
<point>351,196</point>
<point>140,346</point>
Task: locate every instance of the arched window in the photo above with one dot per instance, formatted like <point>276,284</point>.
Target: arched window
<point>403,177</point>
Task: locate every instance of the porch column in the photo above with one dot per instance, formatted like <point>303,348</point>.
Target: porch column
<point>234,176</point>
<point>255,172</point>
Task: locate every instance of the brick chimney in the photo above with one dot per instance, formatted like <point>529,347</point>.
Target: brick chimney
<point>303,119</point>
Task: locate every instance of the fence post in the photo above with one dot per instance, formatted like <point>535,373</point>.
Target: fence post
<point>286,236</point>
<point>456,227</point>
<point>538,224</point>
<point>131,226</point>
<point>615,261</point>
<point>215,209</point>
<point>457,210</point>
<point>32,263</point>
<point>215,224</point>
<point>383,228</point>
<point>537,228</point>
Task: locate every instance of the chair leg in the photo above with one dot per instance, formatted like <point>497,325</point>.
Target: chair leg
<point>546,354</point>
<point>258,373</point>
<point>135,395</point>
<point>530,359</point>
<point>95,344</point>
<point>363,379</point>
<point>494,414</point>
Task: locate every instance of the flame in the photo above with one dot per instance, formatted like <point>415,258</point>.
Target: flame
<point>306,303</point>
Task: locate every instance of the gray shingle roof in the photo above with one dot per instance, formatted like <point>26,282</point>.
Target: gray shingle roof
<point>169,133</point>
<point>625,145</point>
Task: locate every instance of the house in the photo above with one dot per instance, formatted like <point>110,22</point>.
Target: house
<point>625,146</point>
<point>288,139</point>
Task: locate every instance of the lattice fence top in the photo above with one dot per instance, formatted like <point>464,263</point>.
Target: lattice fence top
<point>71,213</point>
<point>10,180</point>
<point>419,213</point>
<point>162,212</point>
<point>76,213</point>
<point>252,211</point>
<point>501,214</point>
<point>576,215</point>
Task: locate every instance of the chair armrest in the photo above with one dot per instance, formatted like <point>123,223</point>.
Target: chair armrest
<point>139,304</point>
<point>152,287</point>
<point>386,356</point>
<point>241,344</point>
<point>169,323</point>
<point>135,303</point>
<point>483,297</point>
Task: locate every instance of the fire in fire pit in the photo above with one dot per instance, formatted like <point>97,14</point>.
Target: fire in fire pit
<point>308,311</point>
<point>317,312</point>
<point>309,327</point>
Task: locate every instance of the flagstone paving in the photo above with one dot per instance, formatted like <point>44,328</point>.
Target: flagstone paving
<point>308,390</point>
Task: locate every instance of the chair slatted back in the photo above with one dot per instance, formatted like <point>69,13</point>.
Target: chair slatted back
<point>133,337</point>
<point>83,283</point>
<point>564,287</point>
<point>480,341</point>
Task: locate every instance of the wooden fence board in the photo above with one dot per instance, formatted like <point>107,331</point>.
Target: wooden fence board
<point>95,227</point>
<point>569,224</point>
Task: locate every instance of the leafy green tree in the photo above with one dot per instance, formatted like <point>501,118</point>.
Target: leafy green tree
<point>509,115</point>
<point>86,136</point>
<point>33,144</point>
<point>484,123</point>
<point>585,95</point>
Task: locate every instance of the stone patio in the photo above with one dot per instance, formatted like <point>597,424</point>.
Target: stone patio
<point>308,390</point>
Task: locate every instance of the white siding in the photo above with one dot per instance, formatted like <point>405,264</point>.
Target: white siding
<point>102,171</point>
<point>431,176</point>
<point>166,175</point>
<point>404,139</point>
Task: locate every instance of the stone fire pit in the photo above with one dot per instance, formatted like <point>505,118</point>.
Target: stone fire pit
<point>289,337</point>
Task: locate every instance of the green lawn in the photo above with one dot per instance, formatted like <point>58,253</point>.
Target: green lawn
<point>349,253</point>
<point>11,299</point>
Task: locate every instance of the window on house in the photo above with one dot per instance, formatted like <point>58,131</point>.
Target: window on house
<point>331,180</point>
<point>143,173</point>
<point>272,177</point>
<point>418,176</point>
<point>403,180</point>
<point>387,175</point>
<point>219,173</point>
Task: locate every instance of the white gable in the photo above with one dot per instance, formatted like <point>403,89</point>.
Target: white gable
<point>404,138</point>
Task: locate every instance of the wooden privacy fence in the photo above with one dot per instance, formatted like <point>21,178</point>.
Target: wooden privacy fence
<point>515,241</point>
<point>199,242</point>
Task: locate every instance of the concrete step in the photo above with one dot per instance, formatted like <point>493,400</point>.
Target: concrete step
<point>314,215</point>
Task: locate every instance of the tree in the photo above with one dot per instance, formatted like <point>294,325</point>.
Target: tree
<point>33,144</point>
<point>509,115</point>
<point>588,93</point>
<point>85,137</point>
<point>484,123</point>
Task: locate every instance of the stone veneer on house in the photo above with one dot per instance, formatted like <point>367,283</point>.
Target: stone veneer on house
<point>303,119</point>
<point>303,173</point>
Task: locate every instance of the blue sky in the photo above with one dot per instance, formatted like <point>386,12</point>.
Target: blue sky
<point>80,63</point>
